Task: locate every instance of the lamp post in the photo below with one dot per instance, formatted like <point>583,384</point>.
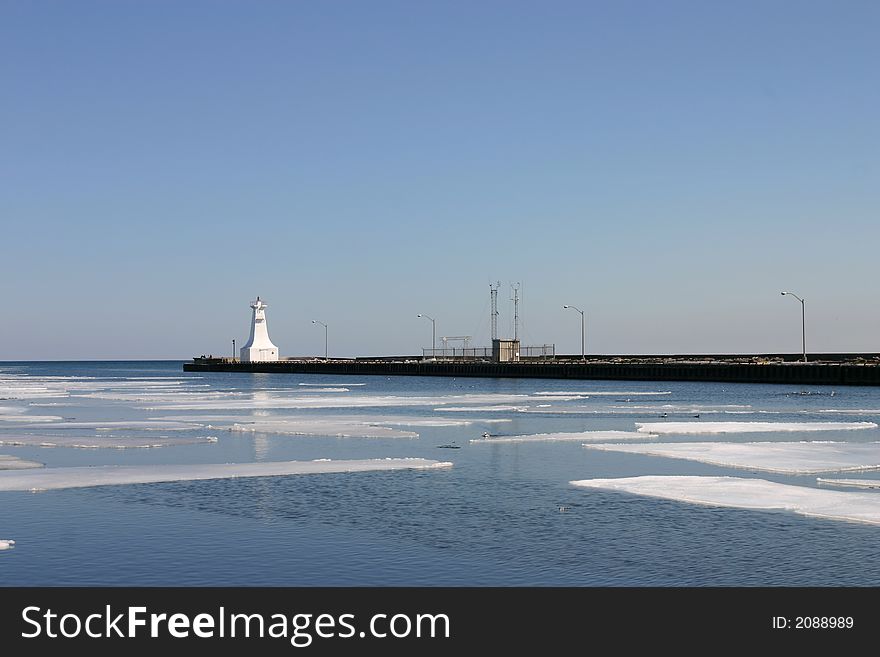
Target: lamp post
<point>233,349</point>
<point>433,334</point>
<point>803,322</point>
<point>583,352</point>
<point>315,321</point>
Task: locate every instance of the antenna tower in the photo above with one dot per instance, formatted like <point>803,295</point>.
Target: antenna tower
<point>493,314</point>
<point>515,287</point>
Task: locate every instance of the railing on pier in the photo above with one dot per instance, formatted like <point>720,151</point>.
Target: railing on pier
<point>537,352</point>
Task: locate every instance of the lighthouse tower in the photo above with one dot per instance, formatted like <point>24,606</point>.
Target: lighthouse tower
<point>259,347</point>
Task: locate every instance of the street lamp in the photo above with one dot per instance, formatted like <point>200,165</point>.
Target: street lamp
<point>803,322</point>
<point>583,353</point>
<point>433,334</point>
<point>315,321</point>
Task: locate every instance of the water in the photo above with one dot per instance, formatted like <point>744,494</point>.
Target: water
<point>492,519</point>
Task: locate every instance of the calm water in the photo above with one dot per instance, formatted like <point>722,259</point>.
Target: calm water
<point>492,519</point>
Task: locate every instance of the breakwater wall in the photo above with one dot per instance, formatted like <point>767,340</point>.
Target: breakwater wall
<point>835,373</point>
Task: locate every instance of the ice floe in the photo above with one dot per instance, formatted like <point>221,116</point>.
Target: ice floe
<point>322,427</point>
<point>480,409</point>
<point>851,411</point>
<point>104,441</point>
<point>330,385</point>
<point>19,418</point>
<point>296,421</point>
<point>130,425</point>
<point>688,408</point>
<point>849,483</point>
<point>317,390</point>
<point>108,475</point>
<point>748,427</point>
<point>301,402</point>
<point>783,457</point>
<point>756,494</point>
<point>424,422</point>
<point>606,393</point>
<point>8,462</point>
<point>27,386</point>
<point>580,436</point>
<point>6,543</point>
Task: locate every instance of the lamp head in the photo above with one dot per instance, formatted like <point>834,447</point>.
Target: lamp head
<point>784,293</point>
<point>314,321</point>
<point>419,315</point>
<point>565,306</point>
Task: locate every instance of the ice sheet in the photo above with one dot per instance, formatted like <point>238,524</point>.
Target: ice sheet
<point>8,462</point>
<point>105,441</point>
<point>330,385</point>
<point>783,457</point>
<point>744,493</point>
<point>747,427</point>
<point>107,475</point>
<point>580,436</point>
<point>849,483</point>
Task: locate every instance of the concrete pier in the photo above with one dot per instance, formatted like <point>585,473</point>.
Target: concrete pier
<point>826,369</point>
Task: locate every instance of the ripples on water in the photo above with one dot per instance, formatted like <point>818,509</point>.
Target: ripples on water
<point>493,519</point>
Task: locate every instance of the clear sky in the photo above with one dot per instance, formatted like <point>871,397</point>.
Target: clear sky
<point>669,167</point>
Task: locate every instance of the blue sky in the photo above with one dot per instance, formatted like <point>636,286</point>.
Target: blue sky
<point>669,167</point>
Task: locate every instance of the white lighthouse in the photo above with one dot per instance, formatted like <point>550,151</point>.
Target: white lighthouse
<point>259,347</point>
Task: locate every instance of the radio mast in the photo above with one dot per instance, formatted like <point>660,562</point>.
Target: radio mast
<point>493,314</point>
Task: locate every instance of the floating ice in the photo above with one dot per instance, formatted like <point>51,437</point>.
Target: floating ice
<point>606,393</point>
<point>132,425</point>
<point>851,411</point>
<point>748,427</point>
<point>330,385</point>
<point>29,419</point>
<point>744,493</point>
<point>322,427</point>
<point>104,442</point>
<point>788,458</point>
<point>849,483</point>
<point>226,421</point>
<point>8,462</point>
<point>689,408</point>
<point>25,386</point>
<point>6,543</point>
<point>268,401</point>
<point>552,437</point>
<point>327,390</point>
<point>479,409</point>
<point>108,475</point>
<point>642,410</point>
<point>425,422</point>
